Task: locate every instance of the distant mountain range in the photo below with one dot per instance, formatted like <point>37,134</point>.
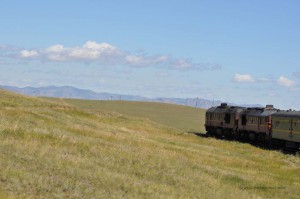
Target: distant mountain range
<point>71,92</point>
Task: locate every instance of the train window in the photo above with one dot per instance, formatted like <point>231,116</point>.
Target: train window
<point>227,118</point>
<point>244,119</point>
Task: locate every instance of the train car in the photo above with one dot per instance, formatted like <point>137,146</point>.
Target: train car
<point>286,129</point>
<point>256,123</point>
<point>222,120</point>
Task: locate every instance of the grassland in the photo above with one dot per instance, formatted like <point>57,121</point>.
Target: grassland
<point>184,118</point>
<point>55,150</point>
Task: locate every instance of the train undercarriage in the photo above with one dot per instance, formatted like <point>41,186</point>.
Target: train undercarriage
<point>256,138</point>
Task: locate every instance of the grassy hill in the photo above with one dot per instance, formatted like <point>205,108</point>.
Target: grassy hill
<point>55,150</point>
<point>184,118</point>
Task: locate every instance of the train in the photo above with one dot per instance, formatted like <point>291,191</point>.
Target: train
<point>268,125</point>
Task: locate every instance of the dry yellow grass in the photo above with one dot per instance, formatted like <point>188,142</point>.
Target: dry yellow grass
<point>53,150</point>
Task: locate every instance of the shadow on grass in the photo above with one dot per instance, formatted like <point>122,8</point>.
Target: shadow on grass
<point>261,145</point>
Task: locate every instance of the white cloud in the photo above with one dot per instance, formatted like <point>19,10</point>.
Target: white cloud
<point>283,81</point>
<point>144,61</point>
<point>90,51</point>
<point>56,57</point>
<point>135,60</point>
<point>105,53</point>
<point>28,53</point>
<point>160,59</point>
<point>55,53</point>
<point>99,47</point>
<point>55,49</point>
<point>243,78</point>
<point>87,54</point>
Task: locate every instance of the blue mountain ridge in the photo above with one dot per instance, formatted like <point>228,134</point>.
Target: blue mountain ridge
<point>76,93</point>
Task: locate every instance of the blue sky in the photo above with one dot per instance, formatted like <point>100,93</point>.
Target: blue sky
<point>236,51</point>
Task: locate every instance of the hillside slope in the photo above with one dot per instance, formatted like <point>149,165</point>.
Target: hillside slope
<point>54,150</point>
<point>184,118</point>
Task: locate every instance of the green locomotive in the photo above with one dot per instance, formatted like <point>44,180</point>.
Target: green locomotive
<point>286,128</point>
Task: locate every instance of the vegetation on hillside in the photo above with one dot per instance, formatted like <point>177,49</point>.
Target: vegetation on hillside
<point>55,150</point>
<point>184,118</point>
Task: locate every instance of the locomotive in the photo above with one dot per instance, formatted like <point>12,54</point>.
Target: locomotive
<point>256,124</point>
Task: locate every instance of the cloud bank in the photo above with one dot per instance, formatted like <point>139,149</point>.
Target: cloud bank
<point>280,81</point>
<point>108,54</point>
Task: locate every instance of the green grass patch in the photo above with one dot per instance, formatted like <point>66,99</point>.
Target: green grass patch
<point>183,118</point>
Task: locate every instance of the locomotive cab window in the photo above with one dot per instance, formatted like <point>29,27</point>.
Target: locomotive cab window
<point>244,119</point>
<point>227,118</point>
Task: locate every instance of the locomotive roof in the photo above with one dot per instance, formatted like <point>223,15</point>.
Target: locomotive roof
<point>259,111</point>
<point>289,113</point>
<point>223,109</point>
